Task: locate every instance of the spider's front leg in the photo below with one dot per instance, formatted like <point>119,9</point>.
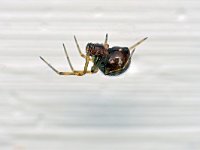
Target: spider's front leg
<point>79,49</point>
<point>136,44</point>
<point>80,73</point>
<point>73,72</point>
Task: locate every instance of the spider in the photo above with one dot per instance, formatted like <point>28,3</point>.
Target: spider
<point>111,61</point>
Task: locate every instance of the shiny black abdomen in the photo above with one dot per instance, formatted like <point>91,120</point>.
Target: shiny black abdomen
<point>115,63</point>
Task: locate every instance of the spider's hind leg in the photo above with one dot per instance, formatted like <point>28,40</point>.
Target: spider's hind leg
<point>136,44</point>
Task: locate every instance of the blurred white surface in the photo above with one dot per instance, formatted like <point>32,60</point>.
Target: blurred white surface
<point>154,105</point>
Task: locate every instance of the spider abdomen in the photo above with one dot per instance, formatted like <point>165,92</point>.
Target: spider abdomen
<point>116,62</point>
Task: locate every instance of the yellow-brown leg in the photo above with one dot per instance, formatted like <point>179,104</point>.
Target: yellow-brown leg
<point>80,73</point>
<point>74,72</point>
<point>67,56</point>
<point>136,44</point>
<point>106,39</point>
<point>106,45</point>
<point>79,49</point>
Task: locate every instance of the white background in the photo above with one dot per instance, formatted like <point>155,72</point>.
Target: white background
<point>154,105</point>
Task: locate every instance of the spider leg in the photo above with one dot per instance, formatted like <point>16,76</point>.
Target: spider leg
<point>106,45</point>
<point>132,53</point>
<point>67,56</point>
<point>136,44</point>
<point>94,69</point>
<point>79,49</point>
<point>74,72</point>
<point>106,39</point>
<point>55,70</point>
